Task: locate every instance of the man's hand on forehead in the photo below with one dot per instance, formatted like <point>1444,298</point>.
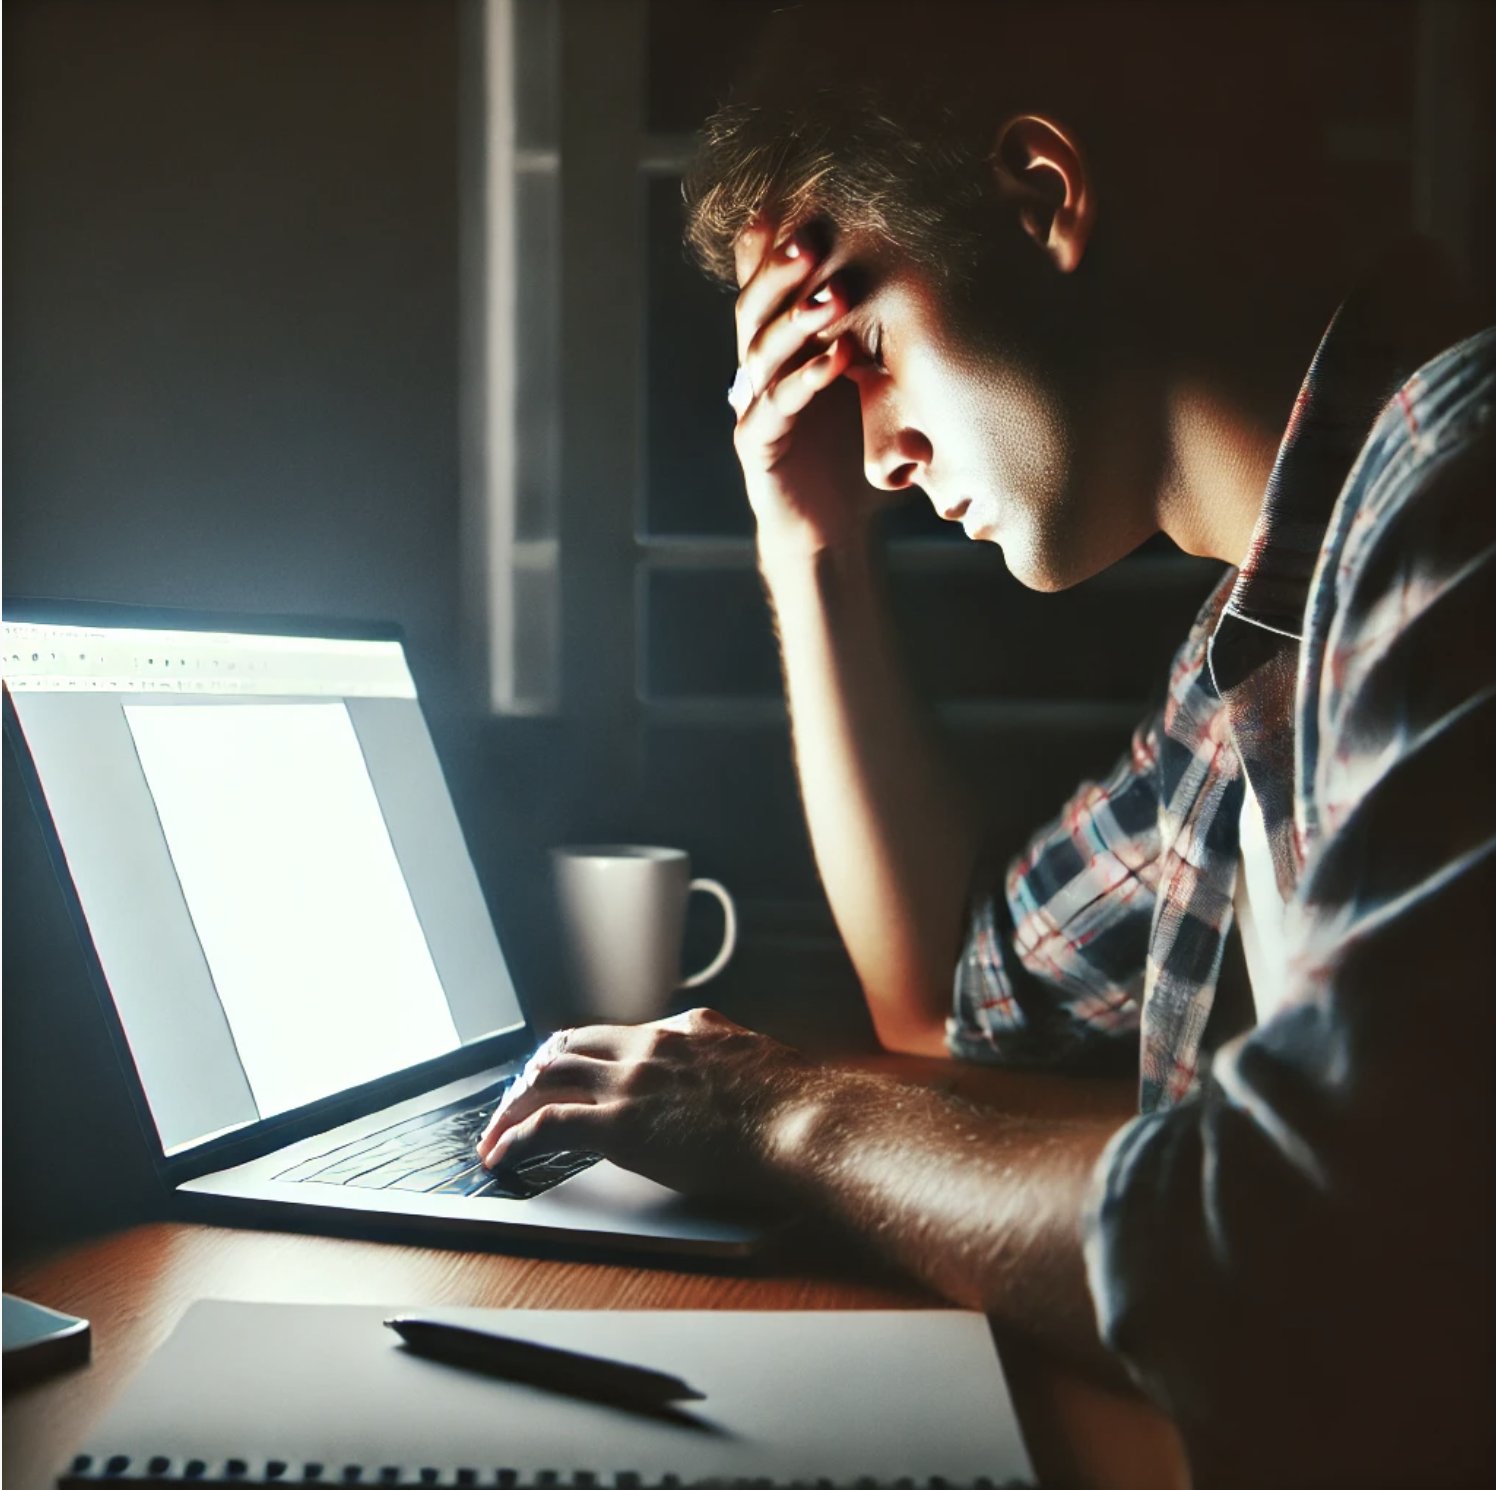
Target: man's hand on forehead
<point>814,267</point>
<point>799,432</point>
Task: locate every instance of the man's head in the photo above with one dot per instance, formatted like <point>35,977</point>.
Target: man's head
<point>1012,207</point>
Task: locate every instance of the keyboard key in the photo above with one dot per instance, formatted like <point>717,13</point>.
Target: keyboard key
<point>449,1127</point>
<point>381,1177</point>
<point>344,1171</point>
<point>318,1162</point>
<point>568,1161</point>
<point>468,1182</point>
<point>502,1186</point>
<point>433,1176</point>
<point>431,1152</point>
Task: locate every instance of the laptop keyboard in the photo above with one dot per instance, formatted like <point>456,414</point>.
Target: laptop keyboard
<point>433,1153</point>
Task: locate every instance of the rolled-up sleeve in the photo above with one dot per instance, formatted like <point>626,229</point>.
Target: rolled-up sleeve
<point>1296,1262</point>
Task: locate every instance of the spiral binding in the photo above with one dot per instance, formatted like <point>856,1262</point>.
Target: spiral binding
<point>121,1469</point>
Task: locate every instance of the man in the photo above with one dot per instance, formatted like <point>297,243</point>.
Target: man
<point>1056,337</point>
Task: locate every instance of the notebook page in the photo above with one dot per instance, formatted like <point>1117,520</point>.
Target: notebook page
<point>790,1396</point>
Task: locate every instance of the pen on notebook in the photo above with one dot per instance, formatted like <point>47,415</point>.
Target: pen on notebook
<point>567,1371</point>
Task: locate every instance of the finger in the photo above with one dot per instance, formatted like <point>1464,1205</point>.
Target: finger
<point>540,1058</point>
<point>504,1123</point>
<point>749,248</point>
<point>573,1078</point>
<point>553,1045</point>
<point>594,1039</point>
<point>534,1068</point>
<point>698,1019</point>
<point>550,1131</point>
<point>785,340</point>
<point>773,415</point>
<point>772,286</point>
<point>605,1041</point>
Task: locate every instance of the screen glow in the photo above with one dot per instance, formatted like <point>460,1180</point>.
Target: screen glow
<point>295,892</point>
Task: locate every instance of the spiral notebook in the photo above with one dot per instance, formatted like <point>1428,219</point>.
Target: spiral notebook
<point>296,1394</point>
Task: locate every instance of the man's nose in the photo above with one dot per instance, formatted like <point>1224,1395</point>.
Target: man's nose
<point>895,454</point>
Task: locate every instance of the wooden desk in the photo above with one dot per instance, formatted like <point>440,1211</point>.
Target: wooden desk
<point>135,1285</point>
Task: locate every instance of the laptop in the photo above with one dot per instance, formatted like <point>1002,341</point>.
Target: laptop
<point>310,1002</point>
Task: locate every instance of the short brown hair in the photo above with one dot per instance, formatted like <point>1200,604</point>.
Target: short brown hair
<point>868,147</point>
<point>881,116</point>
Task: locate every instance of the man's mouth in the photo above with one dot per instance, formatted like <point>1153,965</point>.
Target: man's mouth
<point>978,515</point>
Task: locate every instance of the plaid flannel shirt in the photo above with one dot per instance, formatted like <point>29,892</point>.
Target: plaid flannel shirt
<point>1116,914</point>
<point>1289,1226</point>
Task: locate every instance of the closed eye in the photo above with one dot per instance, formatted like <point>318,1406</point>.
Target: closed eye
<point>865,335</point>
<point>869,343</point>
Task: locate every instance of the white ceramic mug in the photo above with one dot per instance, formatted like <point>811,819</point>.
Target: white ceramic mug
<point>623,913</point>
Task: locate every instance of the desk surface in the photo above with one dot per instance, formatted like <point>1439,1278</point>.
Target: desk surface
<point>135,1285</point>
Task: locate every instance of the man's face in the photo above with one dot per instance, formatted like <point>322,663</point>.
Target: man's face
<point>988,433</point>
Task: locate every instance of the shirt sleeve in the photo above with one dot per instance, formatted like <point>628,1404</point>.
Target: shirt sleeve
<point>1296,1262</point>
<point>1052,968</point>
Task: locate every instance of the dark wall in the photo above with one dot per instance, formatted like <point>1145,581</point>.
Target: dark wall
<point>230,274</point>
<point>230,383</point>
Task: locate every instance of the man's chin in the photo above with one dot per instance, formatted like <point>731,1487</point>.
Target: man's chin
<point>1036,570</point>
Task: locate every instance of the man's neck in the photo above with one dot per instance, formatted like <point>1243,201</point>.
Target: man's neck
<point>1220,457</point>
<point>1229,394</point>
<point>1227,389</point>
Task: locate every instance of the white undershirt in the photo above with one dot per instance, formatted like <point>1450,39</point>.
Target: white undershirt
<point>1260,911</point>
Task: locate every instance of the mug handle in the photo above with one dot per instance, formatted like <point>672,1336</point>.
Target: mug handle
<point>729,935</point>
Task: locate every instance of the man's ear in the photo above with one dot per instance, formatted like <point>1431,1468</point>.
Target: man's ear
<point>1040,172</point>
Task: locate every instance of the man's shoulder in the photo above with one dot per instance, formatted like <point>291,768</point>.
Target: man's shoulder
<point>1424,452</point>
<point>1405,596</point>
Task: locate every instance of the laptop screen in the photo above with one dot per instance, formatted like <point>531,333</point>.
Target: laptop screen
<point>268,859</point>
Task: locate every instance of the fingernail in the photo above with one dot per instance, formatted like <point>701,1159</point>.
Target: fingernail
<point>792,250</point>
<point>821,296</point>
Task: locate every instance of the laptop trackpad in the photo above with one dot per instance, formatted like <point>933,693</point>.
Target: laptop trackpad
<point>608,1193</point>
<point>607,1187</point>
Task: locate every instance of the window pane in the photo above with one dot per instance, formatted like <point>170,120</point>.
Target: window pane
<point>971,633</point>
<point>693,484</point>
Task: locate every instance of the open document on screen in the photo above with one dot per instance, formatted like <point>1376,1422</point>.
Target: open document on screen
<point>294,889</point>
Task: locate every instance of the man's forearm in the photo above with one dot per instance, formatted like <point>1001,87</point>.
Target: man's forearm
<point>981,1206</point>
<point>893,828</point>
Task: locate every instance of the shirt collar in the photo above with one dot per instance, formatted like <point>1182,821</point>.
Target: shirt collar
<point>1375,341</point>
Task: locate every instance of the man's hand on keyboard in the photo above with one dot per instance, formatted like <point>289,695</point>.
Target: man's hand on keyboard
<point>690,1101</point>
